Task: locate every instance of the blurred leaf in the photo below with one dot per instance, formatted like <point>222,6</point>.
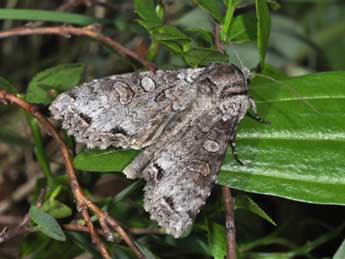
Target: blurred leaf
<point>39,146</point>
<point>340,254</point>
<point>48,16</point>
<point>212,7</point>
<point>56,209</point>
<point>202,56</point>
<point>263,28</point>
<point>243,28</point>
<point>39,246</point>
<point>203,37</point>
<point>11,137</point>
<point>245,202</point>
<point>7,86</point>
<point>109,160</point>
<point>84,243</point>
<point>320,240</point>
<point>172,37</point>
<point>231,5</point>
<point>59,78</point>
<point>147,11</point>
<point>146,252</point>
<point>300,156</point>
<point>217,240</point>
<point>47,224</point>
<point>128,191</point>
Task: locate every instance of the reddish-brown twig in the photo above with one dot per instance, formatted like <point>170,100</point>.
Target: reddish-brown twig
<point>83,203</point>
<point>229,223</point>
<point>216,36</point>
<point>87,31</point>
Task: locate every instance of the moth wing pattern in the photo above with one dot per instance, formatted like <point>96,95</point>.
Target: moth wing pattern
<point>182,119</point>
<point>127,110</point>
<point>180,176</point>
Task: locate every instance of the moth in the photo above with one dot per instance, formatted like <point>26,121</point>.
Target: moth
<point>182,120</point>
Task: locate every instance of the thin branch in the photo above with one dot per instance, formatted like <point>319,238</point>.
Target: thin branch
<point>216,36</point>
<point>83,203</point>
<point>88,31</point>
<point>229,223</point>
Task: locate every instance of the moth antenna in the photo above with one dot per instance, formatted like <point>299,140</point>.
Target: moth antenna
<point>290,88</point>
<point>236,54</point>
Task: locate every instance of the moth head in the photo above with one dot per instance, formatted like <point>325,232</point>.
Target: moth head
<point>246,73</point>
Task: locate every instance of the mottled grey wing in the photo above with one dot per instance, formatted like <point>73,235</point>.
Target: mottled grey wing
<point>181,174</point>
<point>128,110</point>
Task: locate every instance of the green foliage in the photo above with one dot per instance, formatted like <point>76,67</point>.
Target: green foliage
<point>48,16</point>
<point>217,240</point>
<point>263,28</point>
<point>245,202</point>
<point>59,78</point>
<point>212,7</point>
<point>47,224</point>
<point>340,252</point>
<point>300,155</point>
<point>5,85</point>
<point>10,137</point>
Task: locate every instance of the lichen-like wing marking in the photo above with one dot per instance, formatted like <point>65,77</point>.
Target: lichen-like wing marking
<point>181,175</point>
<point>128,110</point>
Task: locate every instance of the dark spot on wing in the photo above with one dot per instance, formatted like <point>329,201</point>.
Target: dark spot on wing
<point>118,130</point>
<point>170,202</point>
<point>85,118</point>
<point>159,172</point>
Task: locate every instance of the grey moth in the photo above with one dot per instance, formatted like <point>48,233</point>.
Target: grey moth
<point>182,120</point>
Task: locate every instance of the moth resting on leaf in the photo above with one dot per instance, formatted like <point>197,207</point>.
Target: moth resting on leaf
<point>183,120</point>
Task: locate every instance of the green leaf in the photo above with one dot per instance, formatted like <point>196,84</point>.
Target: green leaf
<point>7,86</point>
<point>147,11</point>
<point>212,7</point>
<point>48,16</point>
<point>109,160</point>
<point>301,155</point>
<point>172,37</point>
<point>263,28</point>
<point>10,137</point>
<point>84,243</point>
<point>245,202</point>
<point>47,224</point>
<point>203,56</point>
<point>340,254</point>
<point>56,209</point>
<point>59,78</point>
<point>243,28</point>
<point>128,191</point>
<point>217,240</point>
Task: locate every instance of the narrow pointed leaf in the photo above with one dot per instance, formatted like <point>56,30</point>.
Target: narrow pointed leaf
<point>244,202</point>
<point>263,28</point>
<point>47,224</point>
<point>48,16</point>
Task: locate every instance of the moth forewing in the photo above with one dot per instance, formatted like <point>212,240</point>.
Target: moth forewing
<point>182,119</point>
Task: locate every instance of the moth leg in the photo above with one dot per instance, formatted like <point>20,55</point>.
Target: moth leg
<point>135,168</point>
<point>255,115</point>
<point>233,145</point>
